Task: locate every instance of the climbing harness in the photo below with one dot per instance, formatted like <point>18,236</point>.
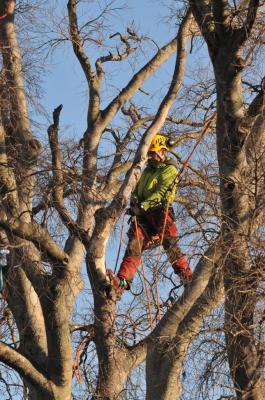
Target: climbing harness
<point>157,240</point>
<point>170,188</point>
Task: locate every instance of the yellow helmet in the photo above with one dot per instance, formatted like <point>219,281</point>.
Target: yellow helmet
<point>159,142</point>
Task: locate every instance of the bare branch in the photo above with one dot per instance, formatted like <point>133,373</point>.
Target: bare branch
<point>176,349</point>
<point>255,109</point>
<point>24,367</point>
<point>135,83</point>
<point>202,12</point>
<point>166,103</point>
<point>115,57</point>
<point>82,328</point>
<point>184,121</point>
<point>117,167</point>
<point>8,186</point>
<point>106,217</point>
<point>34,232</point>
<point>77,43</point>
<point>58,187</point>
<point>221,11</point>
<point>92,79</point>
<point>243,33</point>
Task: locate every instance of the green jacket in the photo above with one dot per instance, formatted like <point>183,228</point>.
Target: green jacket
<point>152,188</point>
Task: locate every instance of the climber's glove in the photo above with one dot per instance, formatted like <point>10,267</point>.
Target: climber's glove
<point>135,211</point>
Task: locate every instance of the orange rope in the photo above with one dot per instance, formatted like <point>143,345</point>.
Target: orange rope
<point>76,366</point>
<point>144,276</point>
<point>203,131</point>
<point>121,237</point>
<point>184,166</point>
<point>157,262</point>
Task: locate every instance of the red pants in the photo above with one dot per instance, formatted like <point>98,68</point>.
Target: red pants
<point>151,225</point>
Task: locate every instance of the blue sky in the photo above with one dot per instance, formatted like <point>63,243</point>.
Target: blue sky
<point>65,82</point>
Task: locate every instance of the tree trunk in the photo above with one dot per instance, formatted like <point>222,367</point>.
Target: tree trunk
<point>239,280</point>
<point>164,363</point>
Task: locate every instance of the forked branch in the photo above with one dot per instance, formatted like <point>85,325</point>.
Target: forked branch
<point>23,366</point>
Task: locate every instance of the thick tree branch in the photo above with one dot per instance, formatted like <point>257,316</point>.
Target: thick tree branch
<point>92,79</point>
<point>23,366</point>
<point>38,235</point>
<point>165,358</point>
<point>106,217</point>
<point>112,185</point>
<point>243,33</point>
<point>8,186</point>
<point>59,180</point>
<point>163,109</point>
<point>203,15</point>
<point>26,308</point>
<point>255,109</point>
<point>77,42</point>
<point>221,11</point>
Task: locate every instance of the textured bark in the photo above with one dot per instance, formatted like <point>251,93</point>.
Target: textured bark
<point>242,352</point>
<point>21,135</point>
<point>168,344</point>
<point>41,302</point>
<point>170,355</point>
<point>240,281</point>
<point>115,359</point>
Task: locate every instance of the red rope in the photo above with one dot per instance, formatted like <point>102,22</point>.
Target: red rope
<point>144,276</point>
<point>184,166</point>
<point>157,263</point>
<point>203,131</point>
<point>121,237</point>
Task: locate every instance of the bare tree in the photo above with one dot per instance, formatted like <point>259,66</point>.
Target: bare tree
<point>227,29</point>
<point>79,192</point>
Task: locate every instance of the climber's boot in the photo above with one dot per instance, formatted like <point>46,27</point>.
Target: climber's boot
<point>182,269</point>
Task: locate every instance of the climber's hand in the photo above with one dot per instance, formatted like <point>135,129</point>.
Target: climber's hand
<point>135,211</point>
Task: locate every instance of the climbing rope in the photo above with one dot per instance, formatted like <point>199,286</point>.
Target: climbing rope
<point>144,277</point>
<point>203,131</point>
<point>178,178</point>
<point>159,254</point>
<point>121,237</point>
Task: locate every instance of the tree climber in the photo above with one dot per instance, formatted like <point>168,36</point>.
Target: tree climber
<point>152,218</point>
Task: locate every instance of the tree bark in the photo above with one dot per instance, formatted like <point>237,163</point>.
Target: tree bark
<point>224,43</point>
